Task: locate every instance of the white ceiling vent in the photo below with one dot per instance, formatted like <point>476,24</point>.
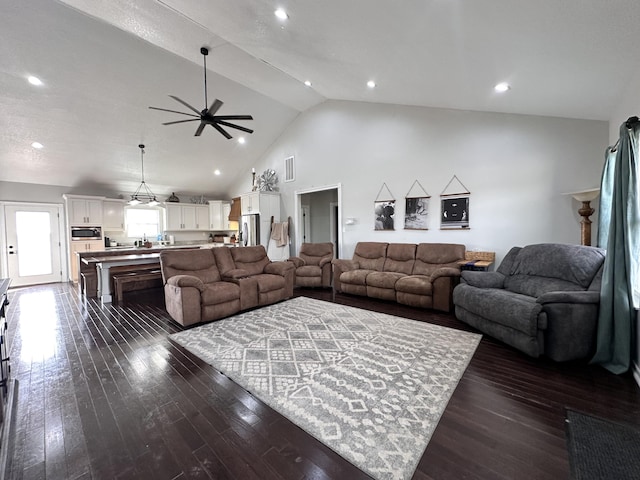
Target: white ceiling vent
<point>289,169</point>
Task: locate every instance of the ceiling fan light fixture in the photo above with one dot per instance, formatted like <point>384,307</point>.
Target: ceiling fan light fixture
<point>143,194</point>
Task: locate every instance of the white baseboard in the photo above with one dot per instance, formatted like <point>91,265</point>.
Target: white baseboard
<point>636,373</point>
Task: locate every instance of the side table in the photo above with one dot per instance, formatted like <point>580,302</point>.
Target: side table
<point>477,261</point>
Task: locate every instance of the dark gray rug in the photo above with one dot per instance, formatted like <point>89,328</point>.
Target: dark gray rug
<point>600,449</point>
<point>370,386</point>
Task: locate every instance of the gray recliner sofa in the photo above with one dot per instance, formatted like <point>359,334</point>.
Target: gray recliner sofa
<point>543,300</point>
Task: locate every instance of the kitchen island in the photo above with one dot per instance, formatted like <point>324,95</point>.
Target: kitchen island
<point>88,276</point>
<point>103,266</point>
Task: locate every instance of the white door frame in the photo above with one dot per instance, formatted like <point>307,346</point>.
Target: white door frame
<point>298,210</point>
<point>332,228</point>
<point>64,254</point>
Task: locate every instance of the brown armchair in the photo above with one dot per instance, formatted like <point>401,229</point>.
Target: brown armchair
<point>313,265</point>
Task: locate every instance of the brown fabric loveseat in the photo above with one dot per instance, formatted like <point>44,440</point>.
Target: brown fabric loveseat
<point>212,283</point>
<point>421,275</point>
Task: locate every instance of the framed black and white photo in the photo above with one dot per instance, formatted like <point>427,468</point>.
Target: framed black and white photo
<point>416,213</point>
<point>384,214</point>
<point>454,213</point>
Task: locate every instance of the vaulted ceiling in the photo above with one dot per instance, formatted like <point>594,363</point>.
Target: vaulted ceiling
<point>104,63</point>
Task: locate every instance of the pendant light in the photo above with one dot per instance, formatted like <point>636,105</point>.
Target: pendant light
<point>143,194</point>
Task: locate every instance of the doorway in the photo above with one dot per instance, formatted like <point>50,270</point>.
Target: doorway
<point>318,212</point>
<point>32,243</point>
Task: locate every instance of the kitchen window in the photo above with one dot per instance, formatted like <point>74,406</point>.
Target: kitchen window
<point>143,222</point>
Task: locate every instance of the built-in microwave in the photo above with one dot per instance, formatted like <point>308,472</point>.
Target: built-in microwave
<point>86,233</point>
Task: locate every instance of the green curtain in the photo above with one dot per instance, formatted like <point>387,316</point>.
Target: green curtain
<point>619,295</point>
<point>606,194</point>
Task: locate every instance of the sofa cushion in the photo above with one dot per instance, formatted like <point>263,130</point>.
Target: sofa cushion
<point>198,263</point>
<point>513,310</point>
<point>268,282</point>
<point>370,255</point>
<point>251,259</point>
<point>355,277</point>
<point>313,253</point>
<point>383,279</point>
<point>219,292</point>
<point>543,268</point>
<point>431,256</point>
<point>309,271</point>
<point>416,284</point>
<point>400,258</point>
<point>572,263</point>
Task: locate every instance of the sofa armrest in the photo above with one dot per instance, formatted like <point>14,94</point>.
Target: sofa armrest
<point>186,281</point>
<point>235,274</point>
<point>278,268</point>
<point>483,279</point>
<point>341,265</point>
<point>297,261</point>
<point>324,260</point>
<point>444,272</point>
<point>569,297</point>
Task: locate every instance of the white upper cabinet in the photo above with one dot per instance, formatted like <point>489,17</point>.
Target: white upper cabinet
<point>84,211</point>
<point>264,203</point>
<point>186,217</point>
<point>113,215</point>
<point>219,215</point>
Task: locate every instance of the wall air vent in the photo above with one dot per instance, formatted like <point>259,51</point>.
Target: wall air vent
<point>289,169</point>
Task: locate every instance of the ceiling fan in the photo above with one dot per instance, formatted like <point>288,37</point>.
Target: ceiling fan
<point>208,115</point>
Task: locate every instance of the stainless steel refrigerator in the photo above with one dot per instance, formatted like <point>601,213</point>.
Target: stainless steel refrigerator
<point>250,229</point>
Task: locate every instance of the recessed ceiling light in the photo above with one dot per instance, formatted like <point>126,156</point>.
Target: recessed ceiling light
<point>502,87</point>
<point>37,145</point>
<point>281,14</point>
<point>34,80</point>
<point>307,83</point>
<point>241,140</point>
<point>371,84</point>
<point>216,172</point>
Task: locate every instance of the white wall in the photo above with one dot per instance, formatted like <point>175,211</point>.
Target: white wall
<point>516,167</point>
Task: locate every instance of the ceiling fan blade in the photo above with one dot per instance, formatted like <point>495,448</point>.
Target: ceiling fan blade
<point>234,117</point>
<point>237,127</point>
<point>174,111</point>
<point>215,106</point>
<point>221,130</point>
<point>181,121</point>
<point>200,129</point>
<point>185,104</point>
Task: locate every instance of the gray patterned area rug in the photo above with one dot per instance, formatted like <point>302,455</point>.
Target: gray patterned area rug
<point>370,386</point>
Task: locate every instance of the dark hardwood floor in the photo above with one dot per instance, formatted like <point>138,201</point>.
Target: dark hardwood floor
<point>104,394</point>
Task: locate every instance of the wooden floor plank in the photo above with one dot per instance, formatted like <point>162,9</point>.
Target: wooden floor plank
<point>105,394</point>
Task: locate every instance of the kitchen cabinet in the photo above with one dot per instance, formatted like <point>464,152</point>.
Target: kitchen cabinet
<point>219,215</point>
<point>82,246</point>
<point>186,217</point>
<point>264,203</point>
<point>202,217</point>
<point>267,205</point>
<point>113,215</point>
<point>84,211</point>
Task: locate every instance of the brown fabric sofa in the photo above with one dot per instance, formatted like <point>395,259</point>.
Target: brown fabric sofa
<point>421,275</point>
<point>212,283</point>
<point>313,265</point>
